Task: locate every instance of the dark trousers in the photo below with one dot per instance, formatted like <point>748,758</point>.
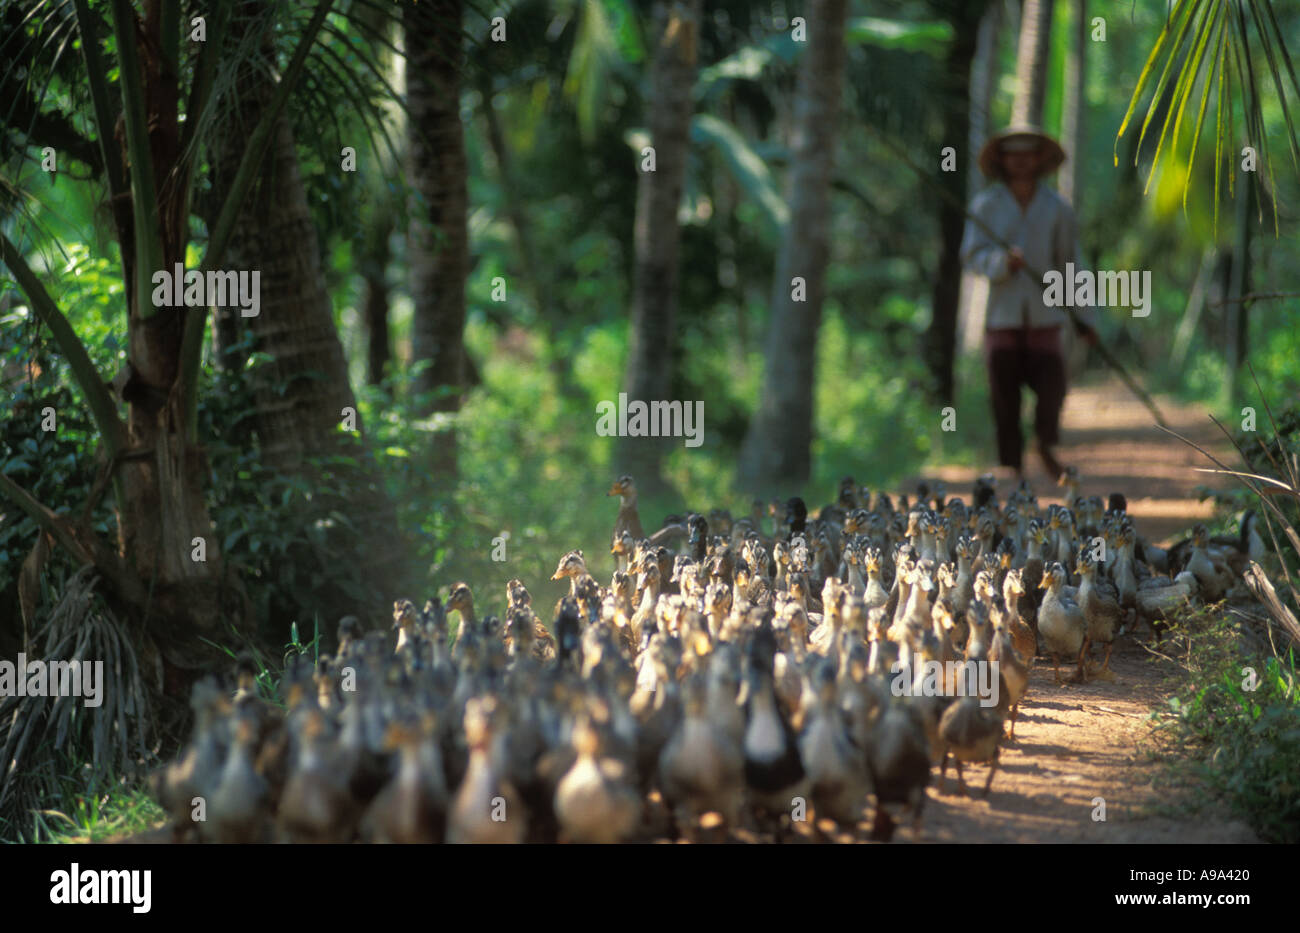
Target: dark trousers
<point>1025,357</point>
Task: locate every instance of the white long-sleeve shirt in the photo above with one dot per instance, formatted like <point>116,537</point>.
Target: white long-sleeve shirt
<point>1046,233</point>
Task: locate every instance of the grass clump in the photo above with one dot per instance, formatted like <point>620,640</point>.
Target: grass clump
<point>1233,725</point>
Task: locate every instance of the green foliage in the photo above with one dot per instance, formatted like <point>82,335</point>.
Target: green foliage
<point>1228,47</point>
<point>57,467</point>
<point>41,736</point>
<point>1267,451</point>
<point>750,171</point>
<point>1244,745</point>
<point>290,537</point>
<point>120,812</point>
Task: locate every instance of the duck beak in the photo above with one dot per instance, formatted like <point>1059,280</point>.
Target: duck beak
<point>615,490</point>
<point>557,576</point>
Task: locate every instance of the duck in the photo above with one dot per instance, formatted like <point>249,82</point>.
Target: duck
<point>1157,600</point>
<point>659,710</point>
<point>485,809</point>
<point>406,621</point>
<point>1061,622</point>
<point>1069,483</point>
<point>647,597</point>
<point>240,802</point>
<point>1022,636</point>
<point>835,766</point>
<point>1123,569</point>
<point>773,769</point>
<point>915,617</point>
<point>412,808</point>
<point>573,567</point>
<point>1213,577</point>
<point>596,801</point>
<point>317,805</point>
<point>971,733</point>
<point>627,520</point>
<point>1013,670</point>
<point>523,624</point>
<point>461,599</point>
<point>875,595</point>
<point>1100,605</point>
<point>980,622</point>
<point>701,767</point>
<point>930,694</point>
<point>623,547</point>
<point>197,771</point>
<point>898,765</point>
<point>825,638</point>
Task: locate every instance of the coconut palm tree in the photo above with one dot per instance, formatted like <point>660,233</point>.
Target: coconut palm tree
<point>778,447</point>
<point>1074,103</point>
<point>1235,50</point>
<point>1232,49</point>
<point>1031,62</point>
<point>940,345</point>
<point>656,235</point>
<point>437,237</point>
<point>166,565</point>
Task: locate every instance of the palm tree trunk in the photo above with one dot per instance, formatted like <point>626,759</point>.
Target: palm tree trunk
<point>984,73</point>
<point>1239,282</point>
<point>941,336</point>
<point>778,448</point>
<point>374,295</point>
<point>438,241</point>
<point>375,308</point>
<point>656,233</point>
<point>1072,120</point>
<point>973,304</point>
<point>1031,62</point>
<point>301,393</point>
<point>162,510</point>
<point>297,411</point>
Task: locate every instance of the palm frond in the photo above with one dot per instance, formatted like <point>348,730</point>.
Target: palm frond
<point>749,169</point>
<point>40,736</point>
<point>1211,42</point>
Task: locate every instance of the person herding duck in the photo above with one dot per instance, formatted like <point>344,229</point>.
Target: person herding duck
<point>1022,339</point>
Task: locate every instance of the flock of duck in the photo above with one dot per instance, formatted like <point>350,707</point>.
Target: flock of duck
<point>736,675</point>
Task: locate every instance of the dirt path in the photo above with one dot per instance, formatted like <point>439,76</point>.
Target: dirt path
<point>1077,742</point>
<point>1073,744</point>
<point>1113,441</point>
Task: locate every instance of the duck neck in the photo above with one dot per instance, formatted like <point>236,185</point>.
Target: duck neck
<point>904,597</point>
<point>468,620</point>
<point>928,545</point>
<point>627,515</point>
<point>649,596</point>
<point>915,597</point>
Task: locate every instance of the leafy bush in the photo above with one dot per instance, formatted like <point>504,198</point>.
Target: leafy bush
<point>57,467</point>
<point>1243,744</point>
<point>1266,452</point>
<point>294,539</point>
